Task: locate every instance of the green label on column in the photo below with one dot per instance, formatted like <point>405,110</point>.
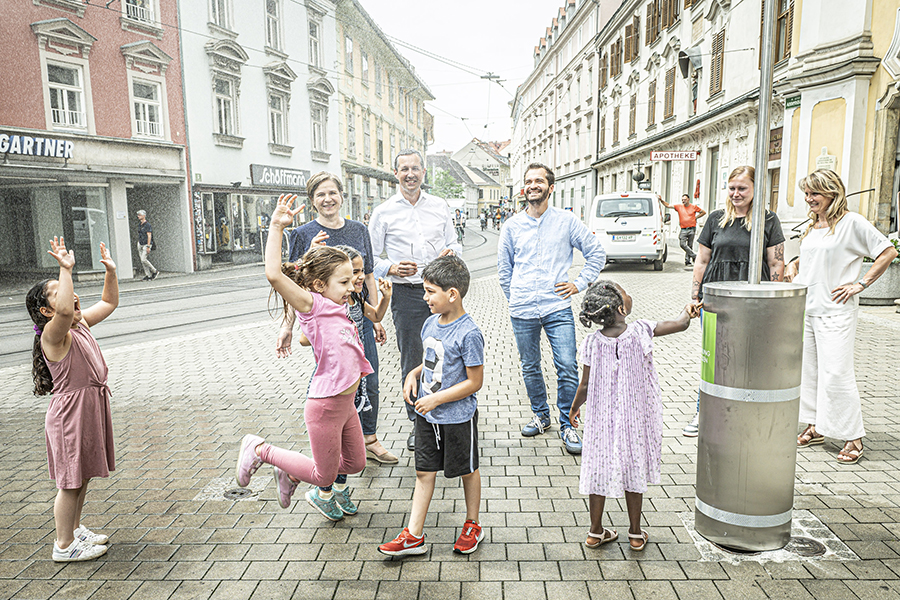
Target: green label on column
<point>708,353</point>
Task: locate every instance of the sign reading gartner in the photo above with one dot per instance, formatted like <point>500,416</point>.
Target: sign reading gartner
<point>269,176</point>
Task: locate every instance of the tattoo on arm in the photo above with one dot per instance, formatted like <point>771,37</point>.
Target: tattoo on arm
<point>779,252</point>
<point>695,290</point>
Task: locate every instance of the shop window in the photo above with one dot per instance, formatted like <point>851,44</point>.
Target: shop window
<point>273,24</point>
<point>66,95</point>
<point>225,101</point>
<point>315,45</point>
<point>148,121</point>
<point>86,223</point>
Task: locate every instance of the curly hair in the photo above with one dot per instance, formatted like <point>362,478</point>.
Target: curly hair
<point>602,301</point>
<point>35,299</point>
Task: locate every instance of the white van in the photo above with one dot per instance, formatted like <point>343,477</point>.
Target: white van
<point>630,227</point>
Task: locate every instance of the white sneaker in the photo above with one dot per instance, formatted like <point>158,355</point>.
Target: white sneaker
<point>77,551</point>
<point>86,535</point>
<point>692,429</point>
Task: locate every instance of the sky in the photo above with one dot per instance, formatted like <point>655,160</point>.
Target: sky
<point>489,36</point>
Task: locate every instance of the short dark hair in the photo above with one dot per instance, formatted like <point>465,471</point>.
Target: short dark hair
<point>448,272</point>
<point>408,152</point>
<point>551,178</point>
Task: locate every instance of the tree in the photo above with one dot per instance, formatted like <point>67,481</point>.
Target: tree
<point>445,186</point>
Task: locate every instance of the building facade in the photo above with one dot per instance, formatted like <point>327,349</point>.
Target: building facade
<point>491,160</point>
<point>554,109</point>
<point>381,109</point>
<point>91,131</point>
<point>261,108</point>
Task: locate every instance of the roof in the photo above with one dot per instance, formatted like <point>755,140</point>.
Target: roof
<point>488,180</point>
<point>445,163</point>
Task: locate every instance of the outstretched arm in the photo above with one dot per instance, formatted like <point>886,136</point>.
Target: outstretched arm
<point>376,313</point>
<point>109,300</point>
<point>679,323</point>
<point>663,202</point>
<point>283,216</point>
<point>53,338</point>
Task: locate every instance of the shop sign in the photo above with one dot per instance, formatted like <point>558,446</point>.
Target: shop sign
<point>657,155</point>
<point>35,146</point>
<point>775,137</point>
<point>269,176</point>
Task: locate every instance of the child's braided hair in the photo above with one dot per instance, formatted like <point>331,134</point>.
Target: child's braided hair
<point>601,302</point>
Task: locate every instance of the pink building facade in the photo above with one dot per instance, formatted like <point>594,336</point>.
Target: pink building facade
<point>91,131</point>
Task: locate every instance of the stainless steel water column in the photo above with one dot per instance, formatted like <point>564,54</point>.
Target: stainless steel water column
<point>749,408</point>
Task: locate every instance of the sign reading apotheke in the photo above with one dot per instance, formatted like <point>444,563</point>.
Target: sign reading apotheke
<point>658,155</point>
<point>269,176</point>
<point>35,146</point>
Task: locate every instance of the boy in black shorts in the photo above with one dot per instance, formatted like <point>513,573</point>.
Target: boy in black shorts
<point>442,389</point>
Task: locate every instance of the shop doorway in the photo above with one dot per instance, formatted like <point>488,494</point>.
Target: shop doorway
<point>19,246</point>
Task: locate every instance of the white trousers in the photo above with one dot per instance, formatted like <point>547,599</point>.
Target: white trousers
<point>149,269</point>
<point>829,398</point>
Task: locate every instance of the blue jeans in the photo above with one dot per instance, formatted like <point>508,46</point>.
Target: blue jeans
<point>560,330</point>
<point>369,419</point>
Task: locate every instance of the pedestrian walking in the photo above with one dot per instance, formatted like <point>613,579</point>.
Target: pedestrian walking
<point>67,361</point>
<point>442,389</point>
<point>145,244</point>
<point>326,192</point>
<point>724,253</point>
<point>318,289</point>
<point>533,260</point>
<point>687,220</point>
<point>412,228</point>
<point>831,256</point>
<point>623,421</point>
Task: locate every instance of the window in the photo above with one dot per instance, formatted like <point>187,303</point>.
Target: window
<point>364,61</point>
<point>390,89</point>
<point>140,10</point>
<point>315,46</point>
<point>348,53</point>
<point>716,63</point>
<point>225,121</point>
<point>147,109</point>
<point>273,24</point>
<point>690,3</point>
<point>615,125</point>
<point>377,70</point>
<point>403,99</point>
<point>651,106</point>
<point>318,129</point>
<point>393,145</point>
<point>379,144</point>
<point>652,24</point>
<point>632,115</point>
<point>367,137</point>
<point>629,36</point>
<point>669,102</point>
<point>66,95</point>
<point>219,13</point>
<point>669,13</point>
<point>351,131</point>
<point>277,130</point>
<point>636,38</point>
<point>604,70</point>
<point>615,53</point>
<point>784,26</point>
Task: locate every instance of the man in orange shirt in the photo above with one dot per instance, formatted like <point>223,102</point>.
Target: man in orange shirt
<point>687,218</point>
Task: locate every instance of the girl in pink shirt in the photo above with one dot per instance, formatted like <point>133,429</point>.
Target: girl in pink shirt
<point>318,288</point>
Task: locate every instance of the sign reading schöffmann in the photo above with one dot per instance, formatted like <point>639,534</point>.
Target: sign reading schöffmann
<point>269,176</point>
<point>656,155</point>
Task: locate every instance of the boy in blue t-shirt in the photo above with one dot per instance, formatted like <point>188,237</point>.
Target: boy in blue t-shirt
<point>443,390</point>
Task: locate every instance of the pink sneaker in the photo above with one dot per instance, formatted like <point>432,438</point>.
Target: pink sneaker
<point>248,462</point>
<point>284,486</point>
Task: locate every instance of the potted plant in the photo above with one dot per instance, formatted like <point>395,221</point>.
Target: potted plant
<point>887,288</point>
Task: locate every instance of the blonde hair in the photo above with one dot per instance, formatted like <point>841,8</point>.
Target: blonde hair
<point>827,183</point>
<point>730,215</point>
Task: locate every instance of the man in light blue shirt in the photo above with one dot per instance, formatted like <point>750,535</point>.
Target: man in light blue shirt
<point>533,261</point>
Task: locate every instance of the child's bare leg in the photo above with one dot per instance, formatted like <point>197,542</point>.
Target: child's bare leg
<point>472,491</point>
<point>64,510</point>
<point>421,500</point>
<point>79,505</point>
<point>596,504</point>
<point>633,502</point>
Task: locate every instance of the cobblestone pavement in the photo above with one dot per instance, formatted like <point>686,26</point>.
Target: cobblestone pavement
<point>181,405</point>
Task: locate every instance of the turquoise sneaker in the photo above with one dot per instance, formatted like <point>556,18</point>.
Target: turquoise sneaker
<point>344,502</point>
<point>329,508</point>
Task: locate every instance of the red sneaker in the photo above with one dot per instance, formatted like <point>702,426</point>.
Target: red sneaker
<point>403,544</point>
<point>469,538</point>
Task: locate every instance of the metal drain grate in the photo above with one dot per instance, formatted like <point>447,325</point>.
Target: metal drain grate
<point>804,546</point>
<point>737,551</point>
<point>238,493</point>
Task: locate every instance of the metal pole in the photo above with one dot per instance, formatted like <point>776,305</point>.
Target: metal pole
<point>761,183</point>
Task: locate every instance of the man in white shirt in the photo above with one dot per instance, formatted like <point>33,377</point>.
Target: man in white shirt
<point>412,228</point>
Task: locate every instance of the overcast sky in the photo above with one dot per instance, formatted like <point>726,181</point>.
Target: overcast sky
<point>496,36</point>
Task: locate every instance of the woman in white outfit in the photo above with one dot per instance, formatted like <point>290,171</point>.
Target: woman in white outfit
<point>831,256</point>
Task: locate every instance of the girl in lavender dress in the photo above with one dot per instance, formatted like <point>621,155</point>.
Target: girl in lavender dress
<point>623,424</point>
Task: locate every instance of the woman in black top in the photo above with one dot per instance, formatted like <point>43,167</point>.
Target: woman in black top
<point>724,253</point>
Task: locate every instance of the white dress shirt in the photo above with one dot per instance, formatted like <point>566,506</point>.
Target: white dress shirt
<point>417,233</point>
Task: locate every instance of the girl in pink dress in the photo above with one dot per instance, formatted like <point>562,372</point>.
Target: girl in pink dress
<point>318,288</point>
<point>67,361</point>
<point>623,425</point>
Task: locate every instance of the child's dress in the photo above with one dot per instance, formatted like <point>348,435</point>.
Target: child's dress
<point>623,417</point>
<point>79,422</point>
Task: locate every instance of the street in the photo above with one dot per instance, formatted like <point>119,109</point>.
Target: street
<point>192,369</point>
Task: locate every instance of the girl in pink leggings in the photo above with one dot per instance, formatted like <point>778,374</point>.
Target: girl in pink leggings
<point>318,288</point>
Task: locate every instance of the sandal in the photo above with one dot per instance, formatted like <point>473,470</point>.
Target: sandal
<point>385,458</point>
<point>608,535</point>
<point>850,454</point>
<point>643,536</point>
<point>809,437</point>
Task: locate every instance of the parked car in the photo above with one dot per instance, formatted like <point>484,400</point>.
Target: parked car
<point>630,227</point>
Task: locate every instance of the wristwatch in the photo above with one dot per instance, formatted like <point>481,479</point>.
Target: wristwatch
<point>863,283</point>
